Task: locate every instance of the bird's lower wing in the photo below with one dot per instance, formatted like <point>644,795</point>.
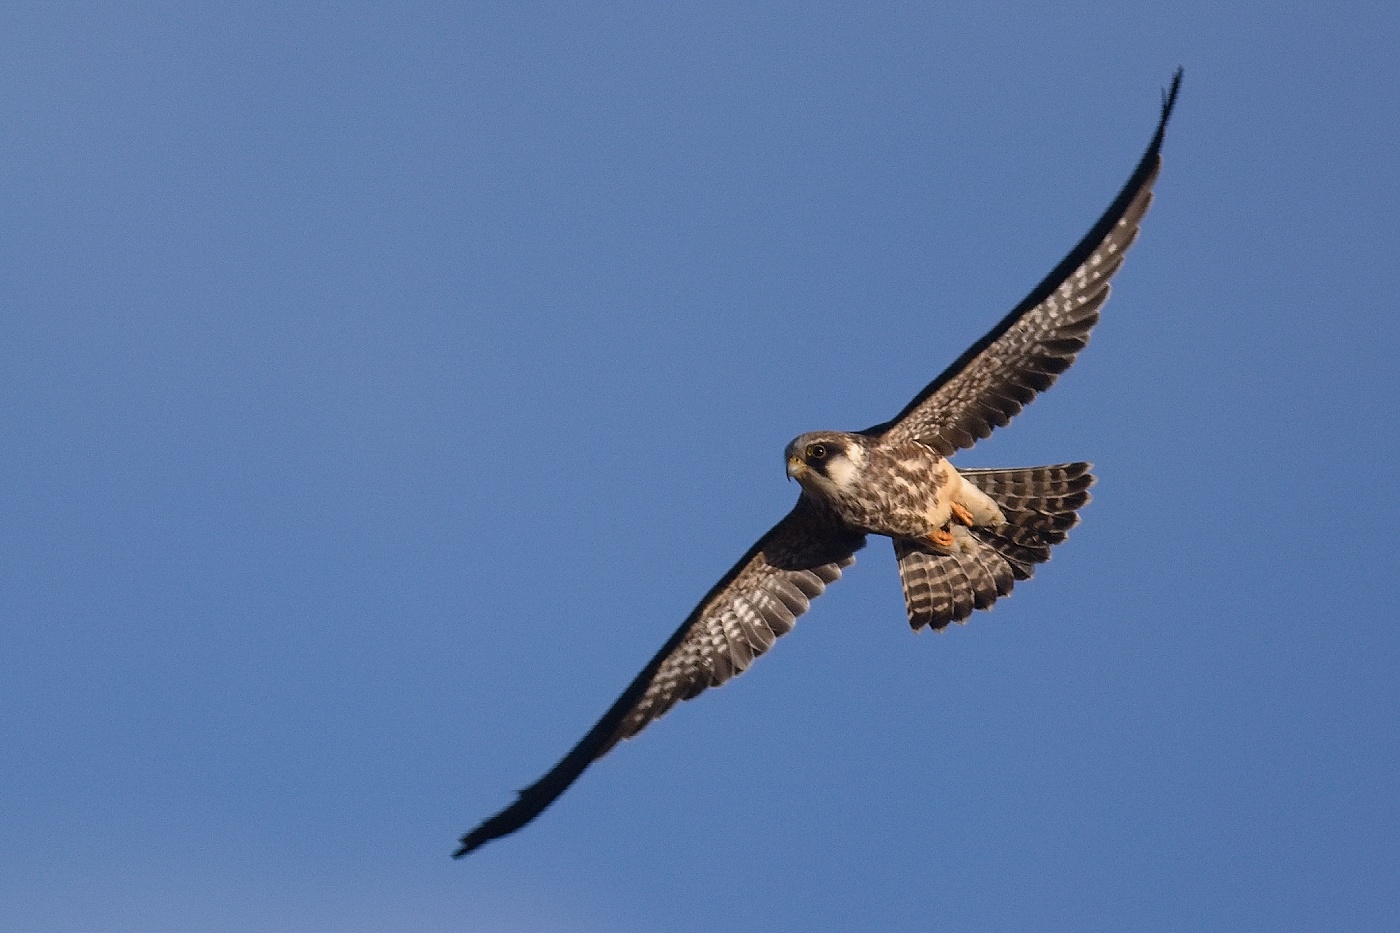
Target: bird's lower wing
<point>758,600</point>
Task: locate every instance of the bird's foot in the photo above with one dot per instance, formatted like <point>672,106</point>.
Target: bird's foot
<point>943,540</point>
<point>961,514</point>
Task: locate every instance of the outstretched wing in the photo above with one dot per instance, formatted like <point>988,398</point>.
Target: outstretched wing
<point>989,384</point>
<point>743,614</point>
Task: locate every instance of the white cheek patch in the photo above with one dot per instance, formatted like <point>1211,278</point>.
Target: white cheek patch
<point>843,471</point>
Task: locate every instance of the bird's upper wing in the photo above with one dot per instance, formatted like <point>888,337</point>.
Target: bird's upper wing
<point>756,601</point>
<point>1021,356</point>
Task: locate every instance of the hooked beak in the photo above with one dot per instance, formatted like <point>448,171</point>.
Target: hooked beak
<point>795,468</point>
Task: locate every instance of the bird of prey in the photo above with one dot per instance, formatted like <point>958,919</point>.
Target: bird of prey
<point>962,537</point>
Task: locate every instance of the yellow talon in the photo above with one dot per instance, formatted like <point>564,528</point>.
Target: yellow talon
<point>942,539</point>
<point>961,514</point>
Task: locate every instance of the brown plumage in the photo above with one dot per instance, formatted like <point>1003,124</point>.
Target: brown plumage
<point>962,537</point>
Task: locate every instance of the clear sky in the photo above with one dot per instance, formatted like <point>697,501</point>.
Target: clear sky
<point>381,384</point>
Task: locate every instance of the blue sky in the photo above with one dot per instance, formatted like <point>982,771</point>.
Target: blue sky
<point>381,386</point>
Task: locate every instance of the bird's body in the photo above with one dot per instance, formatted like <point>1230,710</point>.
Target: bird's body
<point>900,489</point>
<point>962,537</point>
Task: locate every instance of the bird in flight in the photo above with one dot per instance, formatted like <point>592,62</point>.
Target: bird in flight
<point>962,538</point>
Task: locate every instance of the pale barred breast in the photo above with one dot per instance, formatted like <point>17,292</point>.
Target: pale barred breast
<point>901,493</point>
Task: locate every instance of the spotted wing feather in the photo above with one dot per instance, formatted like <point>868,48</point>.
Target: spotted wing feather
<point>1024,353</point>
<point>738,620</point>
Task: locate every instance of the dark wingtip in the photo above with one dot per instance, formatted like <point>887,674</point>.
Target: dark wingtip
<point>502,824</point>
<point>470,841</point>
<point>1169,95</point>
<point>507,821</point>
<point>1168,105</point>
<point>1154,148</point>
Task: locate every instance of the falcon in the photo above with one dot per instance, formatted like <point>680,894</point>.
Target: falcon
<point>962,537</point>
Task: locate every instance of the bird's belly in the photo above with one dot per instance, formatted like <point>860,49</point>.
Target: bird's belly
<point>904,497</point>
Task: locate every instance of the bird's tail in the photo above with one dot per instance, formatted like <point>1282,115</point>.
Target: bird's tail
<point>1040,505</point>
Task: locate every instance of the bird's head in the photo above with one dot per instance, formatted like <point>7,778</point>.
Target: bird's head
<point>825,461</point>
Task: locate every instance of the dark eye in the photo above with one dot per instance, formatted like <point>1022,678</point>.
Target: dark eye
<point>816,451</point>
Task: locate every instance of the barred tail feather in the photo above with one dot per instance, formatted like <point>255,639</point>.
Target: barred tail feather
<point>1040,505</point>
